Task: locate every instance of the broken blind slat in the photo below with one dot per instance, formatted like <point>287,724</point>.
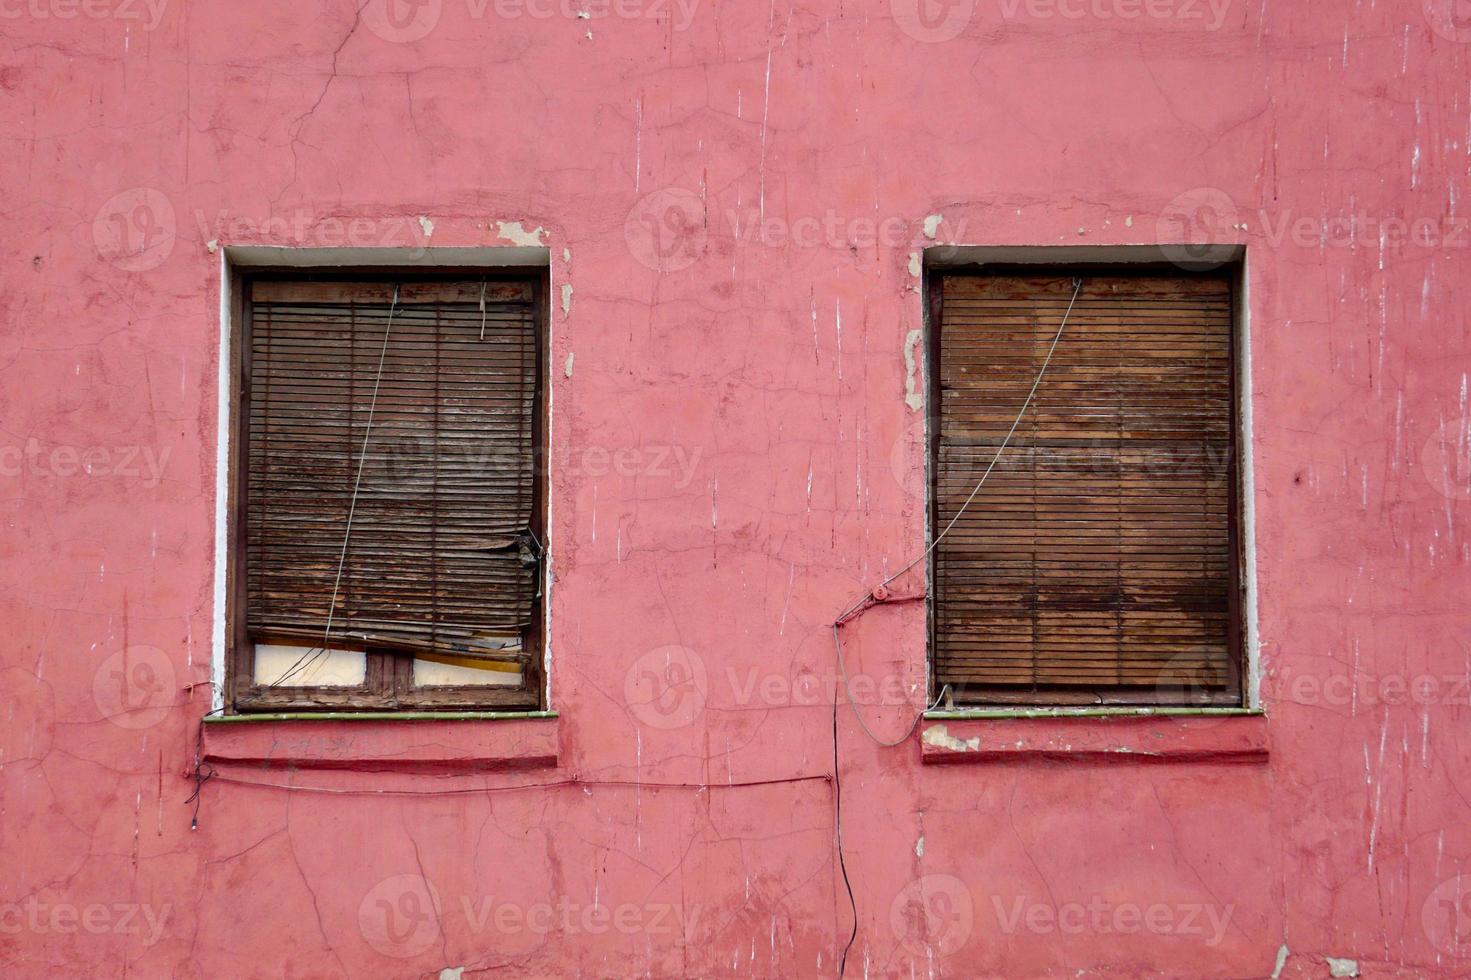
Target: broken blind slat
<point>435,559</point>
<point>1096,563</point>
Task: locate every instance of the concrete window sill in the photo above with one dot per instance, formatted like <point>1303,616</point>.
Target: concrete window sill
<point>1095,735</point>
<point>385,742</point>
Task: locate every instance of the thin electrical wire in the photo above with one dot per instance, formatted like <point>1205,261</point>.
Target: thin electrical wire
<point>201,776</point>
<point>843,670</point>
<point>838,830</point>
<point>215,776</point>
<point>310,657</point>
<point>869,598</point>
<point>838,785</point>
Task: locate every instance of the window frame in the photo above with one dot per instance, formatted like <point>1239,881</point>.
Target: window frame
<point>1239,687</point>
<point>388,676</point>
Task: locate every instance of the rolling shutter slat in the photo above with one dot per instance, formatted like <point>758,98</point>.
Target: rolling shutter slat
<point>1098,558</point>
<point>435,558</point>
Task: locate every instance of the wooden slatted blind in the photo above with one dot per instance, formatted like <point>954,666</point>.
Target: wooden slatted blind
<point>441,555</point>
<point>1096,564</point>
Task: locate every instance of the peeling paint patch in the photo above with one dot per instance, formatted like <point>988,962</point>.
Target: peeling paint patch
<point>566,254</point>
<point>427,225</point>
<point>567,368</point>
<point>939,736</point>
<point>516,233</point>
<point>1342,967</point>
<point>566,298</point>
<point>213,245</point>
<point>912,396</point>
<point>1282,953</point>
<point>452,973</point>
<point>919,847</point>
<point>914,264</point>
<point>932,224</point>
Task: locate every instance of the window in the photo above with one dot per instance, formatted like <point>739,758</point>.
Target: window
<point>1097,563</point>
<point>388,488</point>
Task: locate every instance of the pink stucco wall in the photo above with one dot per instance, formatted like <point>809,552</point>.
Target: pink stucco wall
<point>734,460</point>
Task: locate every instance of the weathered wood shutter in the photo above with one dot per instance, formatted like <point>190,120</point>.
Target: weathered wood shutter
<point>1096,564</point>
<point>441,555</point>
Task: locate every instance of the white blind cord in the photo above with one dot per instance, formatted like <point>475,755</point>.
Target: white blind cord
<point>310,656</point>
<point>869,596</point>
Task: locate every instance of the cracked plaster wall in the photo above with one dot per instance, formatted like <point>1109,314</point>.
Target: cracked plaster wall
<point>735,197</point>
